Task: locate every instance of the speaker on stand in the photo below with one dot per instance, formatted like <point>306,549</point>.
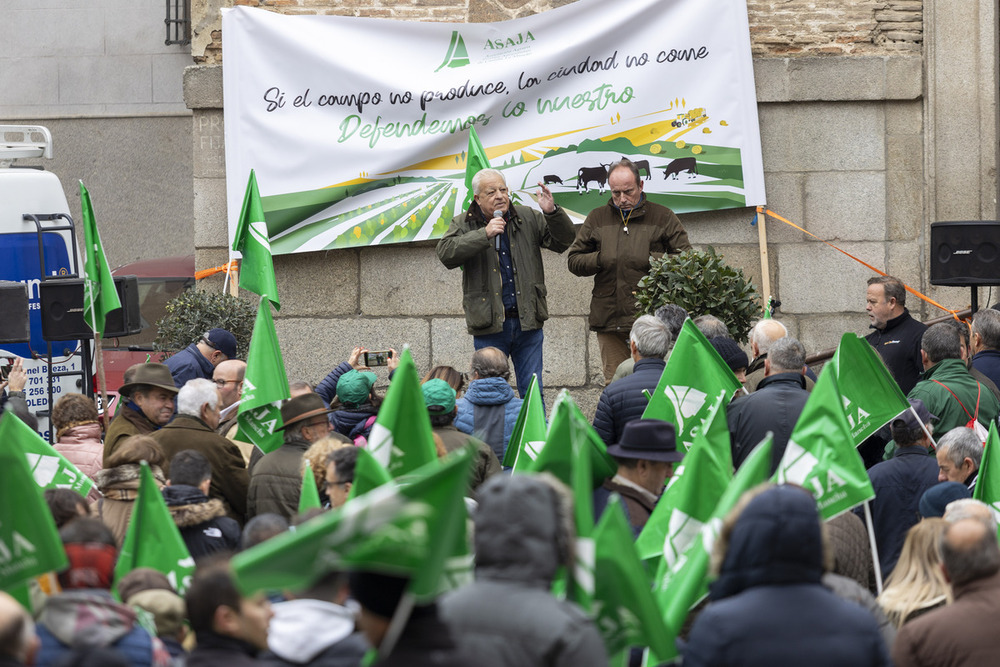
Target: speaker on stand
<point>966,253</point>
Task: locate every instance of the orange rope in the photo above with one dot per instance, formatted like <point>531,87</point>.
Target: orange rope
<point>205,273</point>
<point>761,209</point>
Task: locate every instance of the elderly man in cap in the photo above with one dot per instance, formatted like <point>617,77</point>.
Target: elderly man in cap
<point>440,400</point>
<point>199,359</point>
<point>150,397</point>
<point>901,481</point>
<point>276,480</point>
<point>646,454</point>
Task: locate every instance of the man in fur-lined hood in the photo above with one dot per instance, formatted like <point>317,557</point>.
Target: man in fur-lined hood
<point>202,520</point>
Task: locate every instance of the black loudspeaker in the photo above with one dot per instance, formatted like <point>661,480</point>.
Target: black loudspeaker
<point>13,312</point>
<point>62,310</point>
<point>965,253</point>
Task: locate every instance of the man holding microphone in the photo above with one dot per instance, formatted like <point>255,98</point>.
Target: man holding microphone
<point>498,247</point>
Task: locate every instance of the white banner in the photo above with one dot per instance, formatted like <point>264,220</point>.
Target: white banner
<point>357,128</point>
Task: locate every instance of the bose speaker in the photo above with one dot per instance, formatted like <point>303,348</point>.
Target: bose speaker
<point>13,312</point>
<point>965,253</point>
<point>63,316</point>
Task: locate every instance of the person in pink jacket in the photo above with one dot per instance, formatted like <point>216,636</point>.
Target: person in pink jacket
<point>78,435</point>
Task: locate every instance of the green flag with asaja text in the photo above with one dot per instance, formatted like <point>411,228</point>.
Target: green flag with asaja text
<point>29,540</point>
<point>870,395</point>
<point>50,469</point>
<point>265,385</point>
<point>251,239</point>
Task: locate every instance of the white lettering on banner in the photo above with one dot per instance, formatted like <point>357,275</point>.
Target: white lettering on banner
<point>798,466</point>
<point>545,94</point>
<point>682,530</point>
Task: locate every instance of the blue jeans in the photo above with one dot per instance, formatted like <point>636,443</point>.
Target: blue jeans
<point>524,349</point>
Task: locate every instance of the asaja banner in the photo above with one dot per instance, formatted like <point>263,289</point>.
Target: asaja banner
<point>357,128</point>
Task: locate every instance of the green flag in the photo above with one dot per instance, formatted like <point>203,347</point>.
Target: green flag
<point>99,294</point>
<point>368,474</point>
<point>871,396</point>
<point>692,494</point>
<point>694,378</point>
<point>29,540</point>
<point>988,481</point>
<point>558,461</point>
<point>475,161</point>
<point>624,609</point>
<point>309,496</point>
<point>681,586</point>
<point>265,385</point>
<point>152,539</point>
<point>50,469</point>
<point>252,240</point>
<point>528,436</point>
<point>401,437</point>
<point>820,455</point>
<point>405,530</point>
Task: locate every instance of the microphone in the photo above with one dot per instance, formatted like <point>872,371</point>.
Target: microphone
<point>496,239</point>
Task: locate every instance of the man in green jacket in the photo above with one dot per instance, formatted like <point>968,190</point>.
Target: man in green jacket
<point>946,387</point>
<point>614,245</point>
<point>498,246</point>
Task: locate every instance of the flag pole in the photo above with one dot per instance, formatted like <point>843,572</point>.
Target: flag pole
<point>399,620</point>
<point>923,426</point>
<point>102,384</point>
<point>871,540</point>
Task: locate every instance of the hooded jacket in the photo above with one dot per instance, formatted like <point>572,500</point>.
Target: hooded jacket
<point>768,605</point>
<point>90,618</point>
<point>81,445</point>
<point>507,617</point>
<point>488,410</point>
<point>202,521</point>
<point>313,632</point>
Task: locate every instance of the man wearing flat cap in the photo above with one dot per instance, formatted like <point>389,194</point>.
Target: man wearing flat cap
<point>901,481</point>
<point>148,404</point>
<point>646,454</point>
<point>199,359</point>
<point>276,480</point>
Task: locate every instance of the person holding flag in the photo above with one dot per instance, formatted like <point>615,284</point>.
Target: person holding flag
<point>498,246</point>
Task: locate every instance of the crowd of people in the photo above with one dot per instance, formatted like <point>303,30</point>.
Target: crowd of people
<point>787,587</point>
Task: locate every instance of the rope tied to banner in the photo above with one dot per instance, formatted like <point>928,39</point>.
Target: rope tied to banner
<point>763,210</point>
<point>207,273</point>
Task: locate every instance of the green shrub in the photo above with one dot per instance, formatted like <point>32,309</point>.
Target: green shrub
<point>194,312</point>
<point>703,284</point>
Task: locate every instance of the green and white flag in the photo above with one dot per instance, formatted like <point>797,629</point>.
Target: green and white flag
<point>29,540</point>
<point>988,482</point>
<point>401,437</point>
<point>820,455</point>
<point>679,588</point>
<point>871,396</point>
<point>405,530</point>
<point>309,496</point>
<point>557,462</point>
<point>475,161</point>
<point>153,539</point>
<point>624,609</point>
<point>692,381</point>
<point>257,267</point>
<point>99,294</point>
<point>50,469</point>
<point>692,494</point>
<point>265,385</point>
<point>528,436</point>
<point>368,474</point>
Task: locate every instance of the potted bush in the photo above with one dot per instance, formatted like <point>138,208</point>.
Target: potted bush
<point>194,312</point>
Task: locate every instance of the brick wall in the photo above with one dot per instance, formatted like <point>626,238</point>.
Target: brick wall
<point>777,27</point>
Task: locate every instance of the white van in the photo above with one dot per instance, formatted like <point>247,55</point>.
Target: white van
<point>37,242</point>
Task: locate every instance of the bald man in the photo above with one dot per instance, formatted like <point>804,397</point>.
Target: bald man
<point>964,632</point>
<point>228,377</point>
<point>18,641</point>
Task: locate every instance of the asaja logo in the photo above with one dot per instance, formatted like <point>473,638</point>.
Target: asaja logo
<point>457,55</point>
<point>507,42</point>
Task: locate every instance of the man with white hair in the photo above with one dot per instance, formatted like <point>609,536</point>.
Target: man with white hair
<point>498,246</point>
<point>194,428</point>
<point>959,453</point>
<point>970,508</point>
<point>623,401</point>
<point>762,337</point>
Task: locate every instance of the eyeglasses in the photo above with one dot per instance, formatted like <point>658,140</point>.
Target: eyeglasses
<point>223,383</point>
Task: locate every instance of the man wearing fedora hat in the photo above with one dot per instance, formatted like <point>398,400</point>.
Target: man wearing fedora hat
<point>149,396</point>
<point>646,454</point>
<point>276,480</point>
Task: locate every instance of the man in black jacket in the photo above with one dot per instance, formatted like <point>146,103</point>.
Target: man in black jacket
<point>775,406</point>
<point>202,521</point>
<point>897,335</point>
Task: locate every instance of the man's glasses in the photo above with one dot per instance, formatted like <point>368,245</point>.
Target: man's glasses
<point>223,383</point>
